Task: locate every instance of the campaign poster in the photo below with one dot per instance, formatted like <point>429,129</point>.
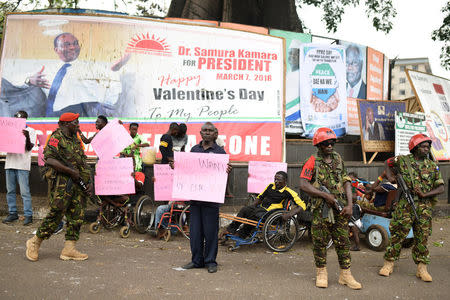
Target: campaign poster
<point>407,125</point>
<point>377,124</point>
<point>355,66</point>
<point>152,72</point>
<point>323,100</point>
<point>293,118</point>
<point>375,66</point>
<point>433,93</point>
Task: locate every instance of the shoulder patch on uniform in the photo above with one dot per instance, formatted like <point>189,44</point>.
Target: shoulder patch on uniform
<point>164,144</point>
<point>53,142</point>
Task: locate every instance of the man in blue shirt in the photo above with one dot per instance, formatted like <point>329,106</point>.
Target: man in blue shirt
<point>204,226</point>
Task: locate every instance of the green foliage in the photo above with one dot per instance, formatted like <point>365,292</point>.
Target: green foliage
<point>381,12</point>
<point>443,35</point>
<point>151,8</point>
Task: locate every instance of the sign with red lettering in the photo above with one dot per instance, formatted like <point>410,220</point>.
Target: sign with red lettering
<point>152,72</point>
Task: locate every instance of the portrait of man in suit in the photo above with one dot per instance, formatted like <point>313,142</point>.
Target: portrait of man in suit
<point>356,87</point>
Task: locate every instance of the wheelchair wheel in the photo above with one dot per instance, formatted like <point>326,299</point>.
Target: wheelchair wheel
<point>125,231</point>
<point>94,227</point>
<point>144,213</point>
<point>111,216</point>
<point>167,235</point>
<point>279,235</point>
<point>185,221</point>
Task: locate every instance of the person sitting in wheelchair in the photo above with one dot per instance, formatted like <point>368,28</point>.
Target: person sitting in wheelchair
<point>274,196</point>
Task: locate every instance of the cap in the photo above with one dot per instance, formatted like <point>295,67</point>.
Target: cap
<point>68,117</point>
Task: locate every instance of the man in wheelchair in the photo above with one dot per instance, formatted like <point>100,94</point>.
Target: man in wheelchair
<point>274,196</point>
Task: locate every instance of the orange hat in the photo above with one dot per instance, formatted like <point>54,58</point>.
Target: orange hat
<point>418,139</point>
<point>323,134</point>
<point>68,117</point>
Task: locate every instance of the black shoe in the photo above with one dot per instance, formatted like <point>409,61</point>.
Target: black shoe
<point>28,221</point>
<point>10,218</point>
<point>212,269</point>
<point>189,266</point>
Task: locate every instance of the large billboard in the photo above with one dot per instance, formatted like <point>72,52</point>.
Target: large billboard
<point>150,71</point>
<point>434,96</point>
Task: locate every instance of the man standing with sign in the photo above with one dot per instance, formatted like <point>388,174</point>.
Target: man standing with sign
<point>322,172</point>
<point>204,227</point>
<point>424,182</point>
<point>67,173</point>
<point>17,167</point>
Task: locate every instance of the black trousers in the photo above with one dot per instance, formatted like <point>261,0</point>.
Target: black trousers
<point>248,212</point>
<point>204,229</point>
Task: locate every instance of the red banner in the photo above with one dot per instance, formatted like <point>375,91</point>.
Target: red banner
<point>243,141</point>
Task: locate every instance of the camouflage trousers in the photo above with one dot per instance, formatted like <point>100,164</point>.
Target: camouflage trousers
<point>402,220</point>
<point>69,203</point>
<point>321,230</point>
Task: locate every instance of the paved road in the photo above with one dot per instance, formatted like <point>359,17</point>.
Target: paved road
<point>140,267</point>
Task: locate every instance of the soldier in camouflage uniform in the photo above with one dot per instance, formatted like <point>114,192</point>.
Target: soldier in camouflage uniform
<point>327,169</point>
<point>424,180</point>
<point>66,164</point>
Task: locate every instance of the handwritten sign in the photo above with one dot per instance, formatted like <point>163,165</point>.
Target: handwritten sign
<point>12,139</point>
<point>113,176</point>
<point>261,173</point>
<point>112,139</point>
<point>200,176</point>
<point>163,183</point>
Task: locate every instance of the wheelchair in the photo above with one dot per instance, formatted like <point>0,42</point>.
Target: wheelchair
<point>177,219</point>
<point>137,211</point>
<point>278,235</point>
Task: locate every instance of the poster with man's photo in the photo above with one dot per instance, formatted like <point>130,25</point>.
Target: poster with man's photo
<point>293,119</point>
<point>323,100</point>
<point>377,124</point>
<point>148,71</point>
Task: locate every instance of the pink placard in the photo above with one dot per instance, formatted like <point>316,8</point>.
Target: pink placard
<point>12,139</point>
<point>200,176</point>
<point>261,174</point>
<point>163,183</point>
<point>41,138</point>
<point>113,176</point>
<point>41,162</point>
<point>112,139</point>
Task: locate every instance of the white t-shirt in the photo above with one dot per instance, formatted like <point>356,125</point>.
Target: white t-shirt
<point>21,161</point>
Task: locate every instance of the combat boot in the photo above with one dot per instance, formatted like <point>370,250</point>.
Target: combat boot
<point>322,277</point>
<point>33,244</point>
<point>346,278</point>
<point>422,273</point>
<point>387,268</point>
<point>69,252</point>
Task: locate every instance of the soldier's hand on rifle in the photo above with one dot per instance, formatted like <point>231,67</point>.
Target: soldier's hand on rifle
<point>419,192</point>
<point>347,211</point>
<point>330,199</point>
<point>75,175</point>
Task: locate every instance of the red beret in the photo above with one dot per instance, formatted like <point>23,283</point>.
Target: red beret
<point>68,117</point>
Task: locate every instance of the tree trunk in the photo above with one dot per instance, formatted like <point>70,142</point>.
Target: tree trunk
<point>279,14</point>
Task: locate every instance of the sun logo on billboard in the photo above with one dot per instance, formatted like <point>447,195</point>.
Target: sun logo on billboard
<point>145,44</point>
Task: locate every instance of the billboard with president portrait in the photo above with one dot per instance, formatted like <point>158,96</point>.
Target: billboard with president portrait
<point>377,124</point>
<point>150,71</point>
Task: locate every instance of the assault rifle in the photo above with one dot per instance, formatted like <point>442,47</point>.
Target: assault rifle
<point>338,206</point>
<point>404,188</point>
